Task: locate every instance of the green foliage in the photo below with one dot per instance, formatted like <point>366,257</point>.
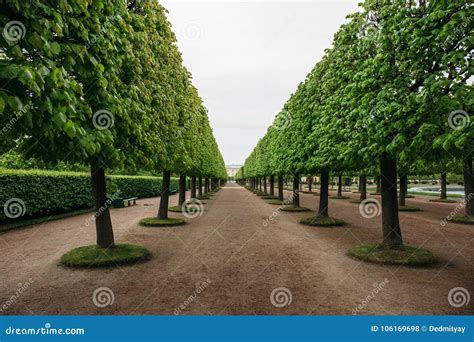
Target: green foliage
<point>390,84</point>
<point>50,192</point>
<point>92,256</point>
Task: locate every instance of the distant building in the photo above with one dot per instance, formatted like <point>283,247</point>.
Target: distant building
<point>232,170</point>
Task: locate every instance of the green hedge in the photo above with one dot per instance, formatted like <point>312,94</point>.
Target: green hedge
<point>52,192</point>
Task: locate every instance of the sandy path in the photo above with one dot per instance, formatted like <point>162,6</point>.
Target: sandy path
<point>236,261</point>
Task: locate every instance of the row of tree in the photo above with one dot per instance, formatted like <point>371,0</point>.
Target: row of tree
<point>102,83</point>
<point>390,97</point>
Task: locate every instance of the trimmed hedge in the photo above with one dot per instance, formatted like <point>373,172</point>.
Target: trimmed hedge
<point>54,192</point>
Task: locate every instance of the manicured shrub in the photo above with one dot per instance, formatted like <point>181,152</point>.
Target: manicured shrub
<point>36,193</point>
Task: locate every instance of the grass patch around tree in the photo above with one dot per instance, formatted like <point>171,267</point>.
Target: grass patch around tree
<point>269,197</point>
<point>292,209</point>
<point>443,200</point>
<point>406,256</point>
<point>278,202</point>
<point>179,209</point>
<point>322,221</point>
<point>340,197</point>
<point>158,222</point>
<point>408,208</point>
<point>93,256</point>
<point>463,219</point>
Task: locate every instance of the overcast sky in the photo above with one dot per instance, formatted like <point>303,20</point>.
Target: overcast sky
<point>247,57</point>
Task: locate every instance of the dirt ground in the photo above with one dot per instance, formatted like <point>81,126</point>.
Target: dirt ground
<point>232,258</point>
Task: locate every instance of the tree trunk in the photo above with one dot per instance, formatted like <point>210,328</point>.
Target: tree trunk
<point>444,194</point>
<point>323,209</point>
<point>403,190</point>
<point>265,184</point>
<point>310,183</point>
<point>296,191</point>
<point>469,186</point>
<point>339,186</point>
<point>392,234</point>
<point>377,181</point>
<point>182,190</point>
<point>272,185</point>
<point>363,187</point>
<point>165,195</point>
<point>193,186</point>
<point>280,188</point>
<point>103,224</point>
<point>206,185</point>
<point>199,186</point>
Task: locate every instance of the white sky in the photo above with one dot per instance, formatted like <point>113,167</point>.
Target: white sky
<point>247,57</point>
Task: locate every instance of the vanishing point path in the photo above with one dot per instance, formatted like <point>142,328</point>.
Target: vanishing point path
<point>231,259</point>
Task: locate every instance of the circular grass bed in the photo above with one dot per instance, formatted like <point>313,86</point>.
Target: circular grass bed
<point>203,197</point>
<point>340,197</point>
<point>375,193</point>
<point>408,208</point>
<point>269,197</point>
<point>179,209</point>
<point>93,256</point>
<point>320,221</point>
<point>292,209</point>
<point>277,202</point>
<point>158,222</point>
<point>406,256</point>
<point>443,200</point>
<point>463,219</point>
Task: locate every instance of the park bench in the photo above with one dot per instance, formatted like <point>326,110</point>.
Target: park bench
<point>124,202</point>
